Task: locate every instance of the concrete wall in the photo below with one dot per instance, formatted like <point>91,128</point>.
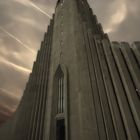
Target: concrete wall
<point>102,83</point>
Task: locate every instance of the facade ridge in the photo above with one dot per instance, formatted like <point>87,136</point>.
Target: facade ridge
<point>82,85</point>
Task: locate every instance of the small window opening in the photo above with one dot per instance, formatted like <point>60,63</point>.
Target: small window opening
<point>60,129</point>
<point>61,102</point>
<point>58,1</point>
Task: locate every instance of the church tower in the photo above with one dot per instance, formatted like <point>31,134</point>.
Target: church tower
<point>82,86</point>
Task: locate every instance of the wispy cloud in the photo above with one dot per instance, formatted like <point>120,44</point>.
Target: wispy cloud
<point>29,3</point>
<point>18,40</point>
<point>8,101</point>
<point>117,17</point>
<point>14,65</point>
<point>8,93</point>
<point>39,9</point>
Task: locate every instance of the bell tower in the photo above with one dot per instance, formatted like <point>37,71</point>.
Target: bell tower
<point>69,88</point>
<point>82,86</point>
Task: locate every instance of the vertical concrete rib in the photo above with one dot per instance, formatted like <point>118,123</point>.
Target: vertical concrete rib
<point>98,116</point>
<point>132,64</point>
<point>120,93</point>
<point>30,106</point>
<point>101,88</point>
<point>23,114</point>
<point>40,94</point>
<point>133,99</point>
<point>36,70</point>
<point>136,49</point>
<point>39,80</point>
<point>40,101</point>
<point>35,99</point>
<point>113,104</point>
<point>46,59</point>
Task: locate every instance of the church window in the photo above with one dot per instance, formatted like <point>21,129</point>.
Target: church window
<point>60,92</point>
<point>59,108</point>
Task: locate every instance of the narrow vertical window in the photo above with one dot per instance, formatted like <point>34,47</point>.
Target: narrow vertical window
<point>60,1</point>
<point>60,92</point>
<point>60,122</point>
<point>59,126</point>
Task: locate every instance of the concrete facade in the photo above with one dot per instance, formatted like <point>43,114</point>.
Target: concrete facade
<point>95,84</point>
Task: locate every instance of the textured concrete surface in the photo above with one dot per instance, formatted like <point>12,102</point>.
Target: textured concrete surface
<point>101,83</point>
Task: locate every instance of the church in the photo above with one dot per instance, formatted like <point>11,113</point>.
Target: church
<point>82,85</point>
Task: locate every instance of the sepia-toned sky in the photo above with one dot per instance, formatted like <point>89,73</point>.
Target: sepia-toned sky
<point>22,26</point>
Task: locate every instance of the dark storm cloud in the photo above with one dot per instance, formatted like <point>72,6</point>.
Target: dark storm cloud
<point>22,26</point>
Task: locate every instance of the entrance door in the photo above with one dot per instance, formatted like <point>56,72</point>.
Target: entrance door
<point>60,129</point>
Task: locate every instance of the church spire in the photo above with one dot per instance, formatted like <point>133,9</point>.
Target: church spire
<point>81,87</point>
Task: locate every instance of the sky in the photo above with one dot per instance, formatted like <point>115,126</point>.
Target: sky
<point>22,27</point>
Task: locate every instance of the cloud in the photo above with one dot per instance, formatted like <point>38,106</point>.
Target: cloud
<point>17,67</point>
<point>30,3</point>
<point>112,14</point>
<point>15,38</point>
<point>117,17</point>
<point>8,104</point>
<point>9,100</point>
<point>20,37</point>
<point>11,75</point>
